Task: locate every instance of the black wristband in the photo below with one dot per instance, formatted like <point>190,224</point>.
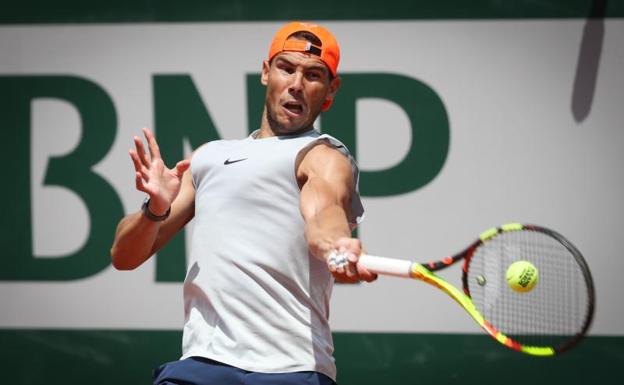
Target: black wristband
<point>151,216</point>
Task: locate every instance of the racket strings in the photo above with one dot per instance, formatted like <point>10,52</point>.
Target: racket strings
<point>551,314</point>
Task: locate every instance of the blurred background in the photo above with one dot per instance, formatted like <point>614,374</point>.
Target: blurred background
<point>462,115</point>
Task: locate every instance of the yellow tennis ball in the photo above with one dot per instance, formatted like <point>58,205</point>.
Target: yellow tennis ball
<point>522,276</point>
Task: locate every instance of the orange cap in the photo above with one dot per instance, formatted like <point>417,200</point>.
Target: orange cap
<point>329,52</point>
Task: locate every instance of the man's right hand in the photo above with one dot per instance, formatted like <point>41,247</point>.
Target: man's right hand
<point>138,237</point>
<point>153,177</point>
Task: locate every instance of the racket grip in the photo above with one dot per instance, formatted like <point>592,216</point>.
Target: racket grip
<point>386,266</point>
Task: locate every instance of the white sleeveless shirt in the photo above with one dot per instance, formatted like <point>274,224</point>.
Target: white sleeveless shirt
<point>254,297</point>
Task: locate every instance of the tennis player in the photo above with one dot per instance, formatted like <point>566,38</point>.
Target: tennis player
<point>272,211</point>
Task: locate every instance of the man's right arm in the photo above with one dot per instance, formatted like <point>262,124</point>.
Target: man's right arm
<point>139,237</point>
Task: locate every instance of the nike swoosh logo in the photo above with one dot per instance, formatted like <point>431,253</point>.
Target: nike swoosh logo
<point>228,161</point>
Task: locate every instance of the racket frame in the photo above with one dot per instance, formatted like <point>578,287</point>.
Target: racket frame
<point>425,272</point>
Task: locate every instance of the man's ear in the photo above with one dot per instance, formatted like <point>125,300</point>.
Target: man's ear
<point>266,67</point>
<point>334,85</point>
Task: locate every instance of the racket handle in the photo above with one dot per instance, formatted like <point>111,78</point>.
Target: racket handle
<point>386,266</point>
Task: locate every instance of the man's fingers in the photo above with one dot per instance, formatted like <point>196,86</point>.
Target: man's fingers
<point>140,150</point>
<point>343,266</point>
<point>341,278</point>
<point>135,160</point>
<point>182,166</point>
<point>351,268</point>
<point>366,275</point>
<point>152,145</point>
<point>138,181</point>
<point>138,166</point>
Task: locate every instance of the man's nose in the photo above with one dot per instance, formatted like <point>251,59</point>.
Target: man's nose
<point>296,82</point>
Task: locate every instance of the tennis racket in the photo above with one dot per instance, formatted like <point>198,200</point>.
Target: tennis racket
<point>545,321</point>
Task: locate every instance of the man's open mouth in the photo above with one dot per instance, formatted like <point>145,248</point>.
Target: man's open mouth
<point>295,108</point>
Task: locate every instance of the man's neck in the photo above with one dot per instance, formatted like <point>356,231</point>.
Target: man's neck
<point>267,130</point>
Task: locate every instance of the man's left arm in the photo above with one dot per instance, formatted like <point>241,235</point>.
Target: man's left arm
<point>327,184</point>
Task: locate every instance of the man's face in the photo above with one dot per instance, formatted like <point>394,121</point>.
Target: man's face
<point>297,86</point>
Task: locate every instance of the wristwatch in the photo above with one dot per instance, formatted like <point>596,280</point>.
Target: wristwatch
<point>151,216</point>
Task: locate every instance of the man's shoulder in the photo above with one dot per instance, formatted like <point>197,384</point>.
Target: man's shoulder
<point>327,144</point>
<point>332,141</point>
<point>323,151</point>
